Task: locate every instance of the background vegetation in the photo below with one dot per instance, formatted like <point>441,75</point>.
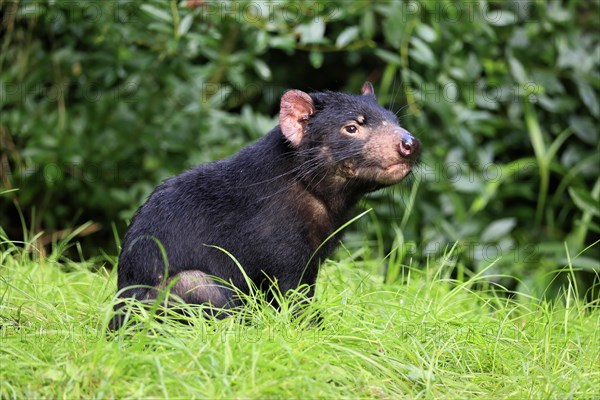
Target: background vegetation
<point>101,100</point>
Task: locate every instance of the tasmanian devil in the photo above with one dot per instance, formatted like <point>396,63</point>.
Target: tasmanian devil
<point>271,206</point>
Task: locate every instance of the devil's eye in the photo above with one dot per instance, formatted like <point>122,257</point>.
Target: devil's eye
<point>351,129</point>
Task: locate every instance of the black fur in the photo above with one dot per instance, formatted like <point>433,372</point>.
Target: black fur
<point>271,206</point>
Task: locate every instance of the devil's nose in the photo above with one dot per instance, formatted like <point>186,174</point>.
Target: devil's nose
<point>409,145</point>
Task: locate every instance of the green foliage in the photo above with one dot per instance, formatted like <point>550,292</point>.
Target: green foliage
<point>429,337</point>
<point>508,108</point>
<point>101,100</point>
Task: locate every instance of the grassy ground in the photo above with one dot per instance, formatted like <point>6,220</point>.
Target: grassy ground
<point>424,336</point>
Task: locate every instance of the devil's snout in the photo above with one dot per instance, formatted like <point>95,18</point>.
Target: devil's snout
<point>409,145</point>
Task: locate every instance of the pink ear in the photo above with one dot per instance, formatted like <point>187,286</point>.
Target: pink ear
<point>367,89</point>
<point>295,108</point>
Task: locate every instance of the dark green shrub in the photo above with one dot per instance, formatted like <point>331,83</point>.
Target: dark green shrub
<point>101,100</point>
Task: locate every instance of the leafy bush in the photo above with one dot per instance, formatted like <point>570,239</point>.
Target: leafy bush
<point>102,100</point>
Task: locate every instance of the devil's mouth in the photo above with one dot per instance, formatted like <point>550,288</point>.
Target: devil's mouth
<point>384,173</point>
<point>396,166</point>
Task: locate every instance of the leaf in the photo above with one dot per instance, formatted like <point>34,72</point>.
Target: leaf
<point>548,81</point>
<point>584,129</point>
<point>262,69</point>
<point>367,24</point>
<point>157,12</point>
<point>392,34</point>
<point>519,38</point>
<point>427,33</point>
<point>500,17</point>
<point>556,13</point>
<point>465,185</point>
<point>586,263</point>
<point>262,40</point>
<point>556,104</point>
<point>516,69</point>
<point>185,24</point>
<point>584,201</point>
<point>316,59</point>
<point>284,42</point>
<point>497,229</point>
<point>312,32</point>
<point>421,52</point>
<point>347,36</point>
<point>159,27</point>
<point>472,67</point>
<point>388,56</point>
<point>589,98</point>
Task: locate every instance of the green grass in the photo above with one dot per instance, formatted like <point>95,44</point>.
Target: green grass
<point>424,336</point>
